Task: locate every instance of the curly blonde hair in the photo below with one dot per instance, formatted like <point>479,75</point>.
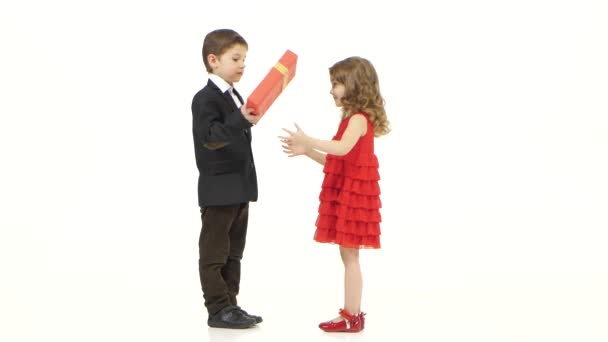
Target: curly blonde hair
<point>362,91</point>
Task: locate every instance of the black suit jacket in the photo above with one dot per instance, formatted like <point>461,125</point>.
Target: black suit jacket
<point>226,174</point>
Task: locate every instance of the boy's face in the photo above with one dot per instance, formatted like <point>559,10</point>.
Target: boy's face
<point>231,64</point>
<point>337,92</point>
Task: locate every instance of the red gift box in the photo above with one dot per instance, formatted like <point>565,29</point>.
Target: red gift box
<point>264,95</point>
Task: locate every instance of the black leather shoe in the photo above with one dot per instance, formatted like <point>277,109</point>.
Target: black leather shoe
<point>258,319</point>
<point>230,317</point>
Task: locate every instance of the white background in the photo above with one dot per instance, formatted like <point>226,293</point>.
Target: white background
<point>493,179</point>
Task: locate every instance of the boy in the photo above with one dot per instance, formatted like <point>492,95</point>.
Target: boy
<point>227,178</point>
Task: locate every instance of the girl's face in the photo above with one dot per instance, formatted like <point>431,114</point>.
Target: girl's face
<point>337,92</point>
<point>231,64</point>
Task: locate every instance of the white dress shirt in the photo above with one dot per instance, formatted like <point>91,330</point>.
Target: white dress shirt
<point>225,86</point>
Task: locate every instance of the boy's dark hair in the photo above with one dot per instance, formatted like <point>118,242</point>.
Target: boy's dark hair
<point>218,41</point>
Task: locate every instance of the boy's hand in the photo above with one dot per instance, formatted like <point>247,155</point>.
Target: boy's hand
<point>253,119</point>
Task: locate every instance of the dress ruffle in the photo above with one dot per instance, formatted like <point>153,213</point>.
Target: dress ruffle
<point>358,186</point>
<point>350,199</point>
<point>355,170</point>
<point>347,240</point>
<point>349,213</point>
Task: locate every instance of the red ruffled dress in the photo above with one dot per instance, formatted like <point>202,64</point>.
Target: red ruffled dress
<point>349,213</point>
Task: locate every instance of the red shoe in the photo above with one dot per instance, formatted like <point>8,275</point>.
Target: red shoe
<point>351,323</point>
<point>362,319</point>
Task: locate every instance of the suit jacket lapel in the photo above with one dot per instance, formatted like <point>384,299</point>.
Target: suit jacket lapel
<point>238,95</point>
<point>230,100</point>
<point>226,95</point>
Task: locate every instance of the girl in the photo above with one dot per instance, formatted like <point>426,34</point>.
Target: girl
<point>349,212</point>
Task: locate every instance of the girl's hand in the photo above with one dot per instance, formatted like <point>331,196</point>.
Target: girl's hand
<point>297,143</point>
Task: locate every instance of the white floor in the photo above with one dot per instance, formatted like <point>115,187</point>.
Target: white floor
<point>440,315</point>
<point>148,290</point>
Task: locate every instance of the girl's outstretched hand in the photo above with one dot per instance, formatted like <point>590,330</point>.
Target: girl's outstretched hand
<point>297,143</point>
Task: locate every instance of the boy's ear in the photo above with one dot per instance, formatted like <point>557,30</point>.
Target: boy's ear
<point>213,60</point>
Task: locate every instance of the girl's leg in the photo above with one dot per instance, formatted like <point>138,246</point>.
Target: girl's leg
<point>353,280</point>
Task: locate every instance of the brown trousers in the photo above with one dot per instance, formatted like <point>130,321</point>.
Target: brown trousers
<point>221,246</point>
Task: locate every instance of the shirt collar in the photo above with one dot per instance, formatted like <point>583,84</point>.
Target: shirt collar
<point>220,82</point>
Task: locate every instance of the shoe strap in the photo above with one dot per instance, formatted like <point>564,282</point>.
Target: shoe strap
<point>346,315</point>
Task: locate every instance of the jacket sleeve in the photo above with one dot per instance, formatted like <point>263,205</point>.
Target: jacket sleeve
<point>214,128</point>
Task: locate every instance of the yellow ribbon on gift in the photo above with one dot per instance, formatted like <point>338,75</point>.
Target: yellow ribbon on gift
<point>284,71</point>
